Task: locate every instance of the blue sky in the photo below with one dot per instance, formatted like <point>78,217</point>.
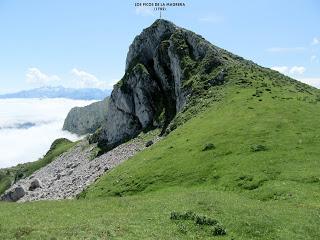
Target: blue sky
<point>81,43</point>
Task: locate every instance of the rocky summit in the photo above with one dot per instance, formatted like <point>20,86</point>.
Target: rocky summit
<point>238,157</point>
<point>155,85</point>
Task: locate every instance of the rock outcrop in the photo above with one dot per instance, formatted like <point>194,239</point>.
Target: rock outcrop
<point>154,87</point>
<point>84,120</point>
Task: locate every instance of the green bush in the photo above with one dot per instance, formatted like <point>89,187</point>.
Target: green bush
<point>189,215</point>
<point>218,230</point>
<point>203,220</point>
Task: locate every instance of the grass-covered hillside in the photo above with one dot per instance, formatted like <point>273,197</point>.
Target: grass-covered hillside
<point>8,176</point>
<point>244,166</point>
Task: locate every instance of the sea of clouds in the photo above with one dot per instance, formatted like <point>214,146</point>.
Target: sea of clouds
<point>29,126</point>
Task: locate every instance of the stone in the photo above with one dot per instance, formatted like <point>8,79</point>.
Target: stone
<point>14,194</point>
<point>149,143</point>
<point>69,165</point>
<point>35,183</point>
<point>209,146</point>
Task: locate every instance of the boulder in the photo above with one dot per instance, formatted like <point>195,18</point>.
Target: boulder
<point>149,143</point>
<point>35,183</point>
<point>209,146</point>
<point>14,194</point>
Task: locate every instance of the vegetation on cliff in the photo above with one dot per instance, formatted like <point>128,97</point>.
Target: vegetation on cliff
<point>240,160</point>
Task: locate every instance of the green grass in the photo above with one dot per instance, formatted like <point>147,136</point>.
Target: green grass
<point>260,180</point>
<point>264,149</point>
<point>13,174</point>
<point>266,153</point>
<point>269,192</point>
<point>147,216</point>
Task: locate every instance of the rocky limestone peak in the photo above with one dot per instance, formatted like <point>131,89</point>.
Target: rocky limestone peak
<point>145,44</point>
<point>160,62</point>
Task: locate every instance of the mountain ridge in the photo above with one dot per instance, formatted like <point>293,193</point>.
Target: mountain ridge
<point>60,92</point>
<point>168,69</point>
<point>238,159</point>
<point>152,90</point>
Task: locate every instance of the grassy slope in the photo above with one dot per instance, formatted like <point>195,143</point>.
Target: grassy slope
<point>147,217</point>
<point>9,175</point>
<point>269,194</point>
<point>284,121</point>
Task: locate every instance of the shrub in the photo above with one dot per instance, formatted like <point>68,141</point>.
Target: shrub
<point>203,220</point>
<point>218,230</point>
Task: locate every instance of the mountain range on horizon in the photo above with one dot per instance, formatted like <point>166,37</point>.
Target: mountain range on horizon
<point>60,92</point>
<point>194,142</point>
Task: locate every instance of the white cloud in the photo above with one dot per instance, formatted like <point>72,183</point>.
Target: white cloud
<point>211,19</point>
<point>84,79</point>
<point>144,11</point>
<point>80,79</point>
<point>281,69</point>
<point>47,115</point>
<point>315,81</point>
<point>295,70</point>
<point>298,70</point>
<point>315,41</point>
<point>286,50</point>
<point>35,76</point>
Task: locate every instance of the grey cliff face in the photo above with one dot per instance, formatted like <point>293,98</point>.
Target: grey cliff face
<point>152,90</point>
<point>145,45</point>
<point>132,107</point>
<point>84,120</point>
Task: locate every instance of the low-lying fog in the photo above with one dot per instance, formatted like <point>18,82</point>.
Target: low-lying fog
<point>29,126</point>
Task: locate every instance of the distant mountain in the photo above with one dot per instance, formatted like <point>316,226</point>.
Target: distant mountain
<point>238,153</point>
<point>60,92</point>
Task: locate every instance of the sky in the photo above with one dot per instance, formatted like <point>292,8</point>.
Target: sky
<point>81,43</point>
